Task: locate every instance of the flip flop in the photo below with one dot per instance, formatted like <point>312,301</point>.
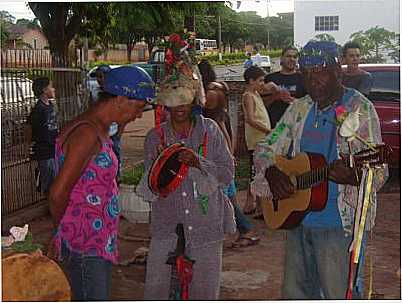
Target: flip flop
<point>250,212</point>
<point>258,216</point>
<point>245,241</point>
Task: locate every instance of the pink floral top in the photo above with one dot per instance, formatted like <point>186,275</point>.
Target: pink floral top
<point>90,223</point>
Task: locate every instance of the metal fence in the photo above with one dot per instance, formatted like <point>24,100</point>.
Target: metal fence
<point>18,69</point>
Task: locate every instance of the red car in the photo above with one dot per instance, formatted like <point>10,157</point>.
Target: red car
<point>385,95</point>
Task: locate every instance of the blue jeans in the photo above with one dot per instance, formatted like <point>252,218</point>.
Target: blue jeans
<point>47,173</point>
<point>242,223</point>
<point>317,264</point>
<point>89,277</point>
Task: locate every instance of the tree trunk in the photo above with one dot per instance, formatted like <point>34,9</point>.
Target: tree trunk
<point>59,51</point>
<point>129,50</point>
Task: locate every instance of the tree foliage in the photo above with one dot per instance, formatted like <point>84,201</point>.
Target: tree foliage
<point>377,42</point>
<point>324,37</point>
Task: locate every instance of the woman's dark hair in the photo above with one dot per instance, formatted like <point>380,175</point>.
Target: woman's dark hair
<point>104,96</point>
<point>207,73</point>
<point>253,72</point>
<point>39,84</point>
<point>350,44</point>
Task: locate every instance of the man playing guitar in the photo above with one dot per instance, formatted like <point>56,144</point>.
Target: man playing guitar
<point>317,249</point>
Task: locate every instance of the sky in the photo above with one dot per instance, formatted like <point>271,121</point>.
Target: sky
<point>20,10</point>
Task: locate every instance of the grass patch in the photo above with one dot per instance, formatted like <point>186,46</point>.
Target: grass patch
<point>132,175</point>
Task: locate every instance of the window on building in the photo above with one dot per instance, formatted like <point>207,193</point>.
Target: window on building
<point>326,23</point>
<point>34,43</point>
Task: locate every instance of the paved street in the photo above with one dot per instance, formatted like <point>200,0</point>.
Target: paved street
<point>235,72</point>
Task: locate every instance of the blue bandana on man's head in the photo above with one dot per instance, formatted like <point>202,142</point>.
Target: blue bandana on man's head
<point>318,53</point>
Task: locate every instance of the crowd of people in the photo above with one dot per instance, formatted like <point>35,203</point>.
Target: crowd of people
<point>287,112</point>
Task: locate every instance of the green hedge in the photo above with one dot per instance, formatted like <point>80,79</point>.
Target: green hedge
<point>132,176</point>
<point>236,58</point>
<point>101,62</point>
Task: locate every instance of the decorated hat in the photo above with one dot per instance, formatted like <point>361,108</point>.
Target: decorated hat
<point>182,80</point>
<point>318,53</point>
<point>167,172</point>
<point>129,81</point>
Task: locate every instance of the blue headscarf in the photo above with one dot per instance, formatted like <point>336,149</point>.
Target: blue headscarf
<point>130,81</point>
<point>318,53</point>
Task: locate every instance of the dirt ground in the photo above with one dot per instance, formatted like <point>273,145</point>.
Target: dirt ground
<point>252,273</point>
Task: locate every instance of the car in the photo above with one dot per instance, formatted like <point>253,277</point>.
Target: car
<point>386,95</point>
<point>264,62</point>
<point>16,101</point>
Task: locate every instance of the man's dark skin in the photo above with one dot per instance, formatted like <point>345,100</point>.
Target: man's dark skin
<point>324,86</point>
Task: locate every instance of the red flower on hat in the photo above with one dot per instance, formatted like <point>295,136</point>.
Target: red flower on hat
<point>169,56</point>
<point>175,38</point>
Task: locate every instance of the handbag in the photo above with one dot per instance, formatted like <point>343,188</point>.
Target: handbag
<point>229,222</point>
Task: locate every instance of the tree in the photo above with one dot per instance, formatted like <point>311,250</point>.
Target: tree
<point>34,23</point>
<point>6,19</point>
<point>375,43</point>
<point>101,30</point>
<point>324,37</point>
<point>60,23</point>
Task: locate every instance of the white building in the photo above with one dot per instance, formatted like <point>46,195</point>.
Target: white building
<point>341,18</point>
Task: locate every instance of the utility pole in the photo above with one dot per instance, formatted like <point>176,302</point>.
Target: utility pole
<point>268,26</point>
<point>220,37</point>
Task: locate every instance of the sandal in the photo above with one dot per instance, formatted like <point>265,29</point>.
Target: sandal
<point>258,216</point>
<point>245,241</point>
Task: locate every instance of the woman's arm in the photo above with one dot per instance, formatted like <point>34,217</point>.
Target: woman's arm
<point>77,155</point>
<point>249,116</point>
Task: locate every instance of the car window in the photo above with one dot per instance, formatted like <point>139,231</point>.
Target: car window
<point>386,81</point>
<point>264,59</point>
<point>386,86</point>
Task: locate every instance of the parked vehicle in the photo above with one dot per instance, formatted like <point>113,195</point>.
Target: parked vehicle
<point>154,67</point>
<point>205,46</point>
<point>264,62</point>
<point>385,95</point>
<point>16,101</point>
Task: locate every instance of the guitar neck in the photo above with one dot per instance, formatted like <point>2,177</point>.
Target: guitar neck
<point>310,178</point>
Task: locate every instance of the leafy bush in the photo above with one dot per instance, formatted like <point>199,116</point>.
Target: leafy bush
<point>236,58</point>
<point>242,174</point>
<point>101,62</point>
<point>132,176</point>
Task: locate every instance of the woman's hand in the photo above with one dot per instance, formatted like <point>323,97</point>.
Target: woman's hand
<point>51,250</point>
<point>190,158</point>
<point>285,96</point>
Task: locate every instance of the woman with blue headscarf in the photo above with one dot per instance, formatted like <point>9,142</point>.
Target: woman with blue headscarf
<point>84,195</point>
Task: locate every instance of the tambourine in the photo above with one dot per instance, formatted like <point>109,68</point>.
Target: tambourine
<point>167,172</point>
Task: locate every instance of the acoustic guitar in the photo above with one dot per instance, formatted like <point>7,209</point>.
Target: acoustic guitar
<point>309,174</point>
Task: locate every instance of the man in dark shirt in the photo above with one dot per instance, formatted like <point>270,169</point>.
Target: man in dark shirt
<point>353,76</point>
<point>289,80</point>
<point>43,121</point>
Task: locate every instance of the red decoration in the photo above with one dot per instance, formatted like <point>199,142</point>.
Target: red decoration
<point>185,274</point>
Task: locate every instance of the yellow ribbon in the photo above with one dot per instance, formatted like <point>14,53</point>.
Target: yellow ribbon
<point>366,202</point>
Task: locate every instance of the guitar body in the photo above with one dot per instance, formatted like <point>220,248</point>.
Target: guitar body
<point>288,213</point>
